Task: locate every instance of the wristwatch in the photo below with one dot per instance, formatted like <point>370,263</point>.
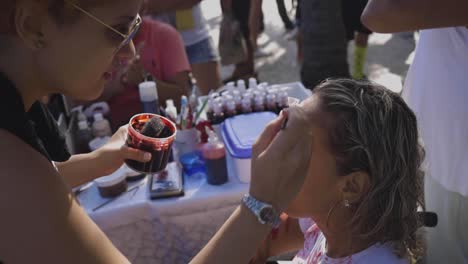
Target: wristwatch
<point>264,212</point>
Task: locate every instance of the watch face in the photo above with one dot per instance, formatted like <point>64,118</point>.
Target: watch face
<point>267,214</point>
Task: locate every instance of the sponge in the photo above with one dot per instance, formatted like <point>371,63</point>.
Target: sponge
<point>156,128</point>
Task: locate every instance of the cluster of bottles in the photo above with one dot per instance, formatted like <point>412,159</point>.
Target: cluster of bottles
<point>90,138</point>
<point>235,100</point>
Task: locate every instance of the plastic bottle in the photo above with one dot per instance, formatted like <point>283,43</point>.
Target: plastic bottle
<point>237,100</point>
<point>282,100</point>
<point>252,83</point>
<point>259,103</point>
<point>246,105</point>
<point>230,110</point>
<point>271,104</point>
<point>230,88</point>
<point>241,86</point>
<point>264,85</point>
<point>214,154</point>
<point>83,136</point>
<point>80,115</point>
<point>209,109</point>
<point>149,97</point>
<point>171,110</point>
<point>226,99</point>
<point>101,126</point>
<point>218,114</point>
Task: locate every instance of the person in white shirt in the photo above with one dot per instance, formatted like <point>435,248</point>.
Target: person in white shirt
<point>436,88</point>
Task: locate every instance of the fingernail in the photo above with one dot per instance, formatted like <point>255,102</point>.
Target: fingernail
<point>147,156</point>
<point>285,123</point>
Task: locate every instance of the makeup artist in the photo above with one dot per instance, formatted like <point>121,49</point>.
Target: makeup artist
<point>72,47</point>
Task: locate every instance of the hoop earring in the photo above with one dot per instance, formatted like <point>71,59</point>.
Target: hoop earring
<point>346,203</point>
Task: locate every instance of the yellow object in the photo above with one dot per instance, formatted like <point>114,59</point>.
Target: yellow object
<point>184,19</point>
<point>359,61</point>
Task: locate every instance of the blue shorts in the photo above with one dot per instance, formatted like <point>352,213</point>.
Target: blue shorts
<point>202,51</point>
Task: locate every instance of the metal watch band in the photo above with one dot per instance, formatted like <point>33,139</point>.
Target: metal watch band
<point>256,207</point>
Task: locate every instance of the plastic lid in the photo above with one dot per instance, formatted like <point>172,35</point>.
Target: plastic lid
<point>252,83</point>
<point>214,95</point>
<point>98,117</point>
<point>169,102</point>
<point>241,85</point>
<point>217,108</point>
<point>241,132</point>
<point>111,180</point>
<point>82,125</point>
<point>230,86</point>
<point>148,91</point>
<point>231,105</point>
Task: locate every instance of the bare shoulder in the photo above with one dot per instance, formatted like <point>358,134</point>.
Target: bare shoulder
<point>39,214</point>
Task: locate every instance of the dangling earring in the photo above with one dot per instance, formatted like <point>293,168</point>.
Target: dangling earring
<point>346,203</point>
<point>40,43</point>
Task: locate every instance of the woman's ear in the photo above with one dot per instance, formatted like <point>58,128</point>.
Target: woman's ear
<point>29,18</point>
<point>354,186</point>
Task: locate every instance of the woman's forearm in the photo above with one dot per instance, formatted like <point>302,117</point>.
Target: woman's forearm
<point>79,169</point>
<point>236,241</point>
<point>408,15</point>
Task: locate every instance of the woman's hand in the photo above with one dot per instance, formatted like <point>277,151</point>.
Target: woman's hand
<point>280,159</point>
<point>111,156</point>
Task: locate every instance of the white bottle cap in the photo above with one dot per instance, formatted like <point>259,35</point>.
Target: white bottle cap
<point>148,91</point>
<point>230,86</point>
<point>252,83</point>
<point>241,85</point>
<point>98,117</point>
<point>82,125</point>
<point>169,102</point>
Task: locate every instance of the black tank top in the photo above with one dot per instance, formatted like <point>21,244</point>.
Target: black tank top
<point>36,127</point>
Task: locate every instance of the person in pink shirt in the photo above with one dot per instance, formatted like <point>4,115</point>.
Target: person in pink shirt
<point>161,57</point>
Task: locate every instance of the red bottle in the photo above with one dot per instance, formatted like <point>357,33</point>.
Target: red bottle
<point>215,159</point>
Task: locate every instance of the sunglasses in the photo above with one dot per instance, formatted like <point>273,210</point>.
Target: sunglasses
<point>126,37</point>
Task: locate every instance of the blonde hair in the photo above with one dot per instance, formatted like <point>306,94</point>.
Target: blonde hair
<point>373,130</point>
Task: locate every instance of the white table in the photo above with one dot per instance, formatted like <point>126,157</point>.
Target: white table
<point>170,230</point>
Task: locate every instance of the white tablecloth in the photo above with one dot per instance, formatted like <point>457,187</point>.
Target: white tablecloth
<point>170,230</point>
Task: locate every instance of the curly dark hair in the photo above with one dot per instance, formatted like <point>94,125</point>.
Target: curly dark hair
<point>373,130</point>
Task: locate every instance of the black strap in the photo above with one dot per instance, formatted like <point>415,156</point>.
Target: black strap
<point>37,127</point>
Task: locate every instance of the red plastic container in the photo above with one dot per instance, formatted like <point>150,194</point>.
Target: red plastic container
<point>160,148</point>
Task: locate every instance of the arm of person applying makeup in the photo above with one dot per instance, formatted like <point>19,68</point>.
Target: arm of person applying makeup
<point>408,15</point>
<point>280,160</point>
<point>41,221</point>
<point>288,237</point>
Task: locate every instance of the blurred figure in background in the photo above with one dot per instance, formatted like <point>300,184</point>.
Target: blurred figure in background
<point>241,11</point>
<point>436,90</point>
<point>323,45</point>
<point>187,17</point>
<point>356,31</point>
<point>161,57</point>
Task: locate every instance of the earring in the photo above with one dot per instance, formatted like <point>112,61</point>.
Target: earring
<point>40,43</point>
<point>346,203</point>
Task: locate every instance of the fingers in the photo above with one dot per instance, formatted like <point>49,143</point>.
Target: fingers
<point>135,154</point>
<point>296,130</point>
<point>268,135</point>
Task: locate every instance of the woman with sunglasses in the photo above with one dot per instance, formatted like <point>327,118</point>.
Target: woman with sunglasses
<point>74,47</point>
